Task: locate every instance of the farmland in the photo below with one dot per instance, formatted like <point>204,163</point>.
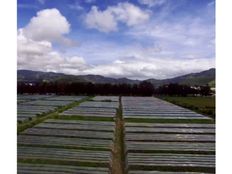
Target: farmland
<point>203,105</point>
<point>110,134</point>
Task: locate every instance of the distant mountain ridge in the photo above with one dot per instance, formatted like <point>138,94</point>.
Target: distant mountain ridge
<point>201,78</point>
<point>39,76</point>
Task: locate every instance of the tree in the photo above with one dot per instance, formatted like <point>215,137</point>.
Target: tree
<point>146,88</point>
<point>205,90</point>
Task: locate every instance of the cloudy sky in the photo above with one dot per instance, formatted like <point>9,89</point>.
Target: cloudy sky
<point>137,39</point>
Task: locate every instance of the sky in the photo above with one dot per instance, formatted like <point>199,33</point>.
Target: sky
<point>136,39</point>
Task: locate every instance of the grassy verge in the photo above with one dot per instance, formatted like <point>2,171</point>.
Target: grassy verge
<point>62,162</point>
<point>174,168</point>
<point>171,133</point>
<point>75,129</point>
<point>30,123</point>
<point>36,117</point>
<point>87,118</point>
<point>145,120</point>
<point>21,127</point>
<point>202,105</point>
<point>69,136</point>
<point>173,152</point>
<point>76,103</point>
<point>67,147</point>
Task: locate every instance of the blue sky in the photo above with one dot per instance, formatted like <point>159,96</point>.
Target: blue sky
<point>137,39</point>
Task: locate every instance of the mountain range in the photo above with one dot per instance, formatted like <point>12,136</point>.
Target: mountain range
<point>201,78</point>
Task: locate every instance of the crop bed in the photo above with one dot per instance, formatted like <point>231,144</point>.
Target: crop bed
<point>26,111</point>
<point>24,168</point>
<point>31,106</point>
<point>62,154</point>
<point>106,98</point>
<point>97,108</point>
<point>161,172</point>
<point>169,159</point>
<point>25,98</point>
<point>65,142</point>
<point>153,108</point>
<point>65,98</point>
<point>96,104</point>
<point>77,125</point>
<point>90,111</point>
<point>80,145</point>
<point>49,103</point>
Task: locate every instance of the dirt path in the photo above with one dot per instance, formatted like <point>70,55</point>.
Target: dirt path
<point>118,161</point>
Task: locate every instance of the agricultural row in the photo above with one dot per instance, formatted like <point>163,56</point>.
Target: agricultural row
<point>32,106</point>
<point>158,137</point>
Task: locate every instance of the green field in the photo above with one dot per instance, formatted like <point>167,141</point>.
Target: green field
<point>203,105</point>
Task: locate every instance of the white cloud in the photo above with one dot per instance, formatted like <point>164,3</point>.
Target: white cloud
<point>50,25</point>
<point>35,51</point>
<point>30,47</point>
<point>40,56</point>
<point>107,20</point>
<point>159,68</point>
<point>101,20</point>
<point>152,3</point>
<point>129,14</point>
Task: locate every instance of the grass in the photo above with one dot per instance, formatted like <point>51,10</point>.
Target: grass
<point>21,127</point>
<point>69,136</point>
<point>67,147</point>
<point>148,120</point>
<point>174,168</point>
<point>37,116</point>
<point>88,118</point>
<point>62,162</point>
<point>202,105</point>
<point>62,109</point>
<point>171,133</point>
<point>173,152</point>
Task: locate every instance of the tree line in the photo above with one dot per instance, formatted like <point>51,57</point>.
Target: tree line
<point>142,89</point>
